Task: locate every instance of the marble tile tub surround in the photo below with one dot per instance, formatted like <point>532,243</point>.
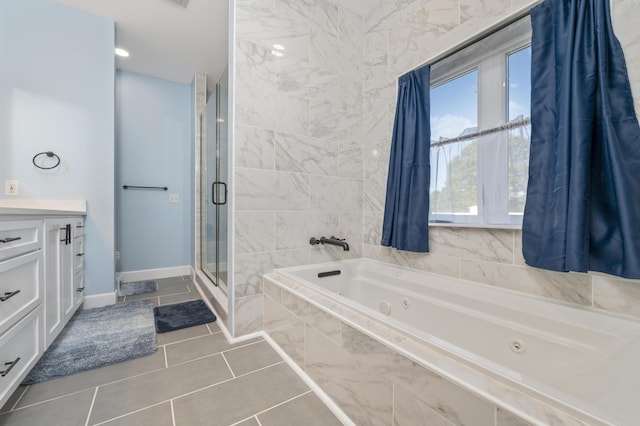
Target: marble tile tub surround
<point>380,376</point>
<point>399,35</point>
<point>298,141</point>
<point>313,129</point>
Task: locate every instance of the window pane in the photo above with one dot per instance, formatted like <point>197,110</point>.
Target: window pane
<point>518,168</point>
<point>519,87</point>
<point>454,166</point>
<point>454,107</point>
<point>519,106</point>
<point>454,179</point>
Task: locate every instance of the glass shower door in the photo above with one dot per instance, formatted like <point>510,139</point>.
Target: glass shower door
<point>214,174</point>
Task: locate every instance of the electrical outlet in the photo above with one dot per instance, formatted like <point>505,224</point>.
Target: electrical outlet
<point>11,187</point>
<point>174,198</point>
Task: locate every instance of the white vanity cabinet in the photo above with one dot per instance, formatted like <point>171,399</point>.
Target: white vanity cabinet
<point>21,301</point>
<point>41,286</point>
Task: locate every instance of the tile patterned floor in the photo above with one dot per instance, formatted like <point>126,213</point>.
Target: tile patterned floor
<point>195,378</point>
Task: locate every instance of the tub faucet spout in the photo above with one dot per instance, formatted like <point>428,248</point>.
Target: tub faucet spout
<point>340,242</point>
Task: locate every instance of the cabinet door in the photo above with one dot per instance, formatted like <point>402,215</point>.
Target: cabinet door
<point>53,317</point>
<point>59,276</point>
<point>66,271</point>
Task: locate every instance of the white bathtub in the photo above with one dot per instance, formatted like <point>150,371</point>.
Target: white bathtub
<point>581,358</point>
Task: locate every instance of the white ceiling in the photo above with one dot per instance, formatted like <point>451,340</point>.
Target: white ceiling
<point>170,42</point>
<point>164,39</point>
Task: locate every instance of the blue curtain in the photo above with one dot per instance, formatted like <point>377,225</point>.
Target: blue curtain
<point>583,200</point>
<point>406,210</point>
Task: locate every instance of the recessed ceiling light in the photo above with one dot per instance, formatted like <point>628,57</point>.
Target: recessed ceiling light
<point>121,52</point>
<point>278,47</point>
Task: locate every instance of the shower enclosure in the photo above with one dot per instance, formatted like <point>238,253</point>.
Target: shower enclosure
<point>214,176</point>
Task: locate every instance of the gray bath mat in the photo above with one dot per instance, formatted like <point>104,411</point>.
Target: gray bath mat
<point>182,315</point>
<point>97,337</point>
<point>140,287</point>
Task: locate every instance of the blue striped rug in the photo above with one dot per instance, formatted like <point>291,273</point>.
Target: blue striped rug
<point>97,337</point>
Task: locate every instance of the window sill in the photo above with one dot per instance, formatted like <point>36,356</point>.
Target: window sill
<point>475,225</point>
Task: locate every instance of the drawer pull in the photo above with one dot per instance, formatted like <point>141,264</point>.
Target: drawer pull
<point>80,289</point>
<point>9,295</point>
<point>10,239</point>
<point>11,365</point>
<point>80,254</point>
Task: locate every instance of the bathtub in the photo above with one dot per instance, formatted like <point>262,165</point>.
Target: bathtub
<point>578,359</point>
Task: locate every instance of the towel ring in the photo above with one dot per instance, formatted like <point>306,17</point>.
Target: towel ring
<point>49,154</point>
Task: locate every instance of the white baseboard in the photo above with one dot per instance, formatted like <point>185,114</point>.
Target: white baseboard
<point>98,300</point>
<point>153,274</point>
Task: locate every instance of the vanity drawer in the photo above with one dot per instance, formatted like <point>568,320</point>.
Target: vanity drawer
<point>21,285</point>
<point>19,237</point>
<point>78,255</point>
<point>78,228</point>
<point>20,348</point>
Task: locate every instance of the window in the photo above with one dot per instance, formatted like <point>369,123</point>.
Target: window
<point>480,114</point>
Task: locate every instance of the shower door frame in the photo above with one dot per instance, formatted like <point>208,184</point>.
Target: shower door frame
<point>206,185</point>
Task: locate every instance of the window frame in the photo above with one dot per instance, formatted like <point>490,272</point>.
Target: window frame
<point>492,63</point>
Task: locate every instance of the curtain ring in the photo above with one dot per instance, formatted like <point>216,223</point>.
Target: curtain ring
<point>49,154</point>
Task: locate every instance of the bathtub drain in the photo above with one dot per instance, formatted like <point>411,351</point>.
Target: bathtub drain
<point>517,346</point>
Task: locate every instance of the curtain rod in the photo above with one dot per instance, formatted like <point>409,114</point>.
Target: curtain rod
<point>507,126</point>
<point>503,23</point>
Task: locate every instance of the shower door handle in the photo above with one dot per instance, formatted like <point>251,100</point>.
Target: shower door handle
<point>214,192</point>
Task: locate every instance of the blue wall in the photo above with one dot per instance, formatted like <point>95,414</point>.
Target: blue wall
<point>57,93</point>
<point>154,138</point>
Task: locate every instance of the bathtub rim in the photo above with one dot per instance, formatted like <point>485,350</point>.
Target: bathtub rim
<point>572,305</point>
<point>465,373</point>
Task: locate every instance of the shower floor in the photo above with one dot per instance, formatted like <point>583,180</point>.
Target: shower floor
<point>196,377</point>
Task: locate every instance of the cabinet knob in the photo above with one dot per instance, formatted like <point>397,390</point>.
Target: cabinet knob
<point>9,366</point>
<point>9,295</point>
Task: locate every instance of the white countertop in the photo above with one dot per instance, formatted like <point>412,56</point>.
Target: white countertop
<point>21,206</point>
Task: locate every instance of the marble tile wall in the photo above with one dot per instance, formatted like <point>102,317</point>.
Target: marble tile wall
<point>399,35</point>
<point>372,383</point>
<point>312,139</point>
<point>298,140</point>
